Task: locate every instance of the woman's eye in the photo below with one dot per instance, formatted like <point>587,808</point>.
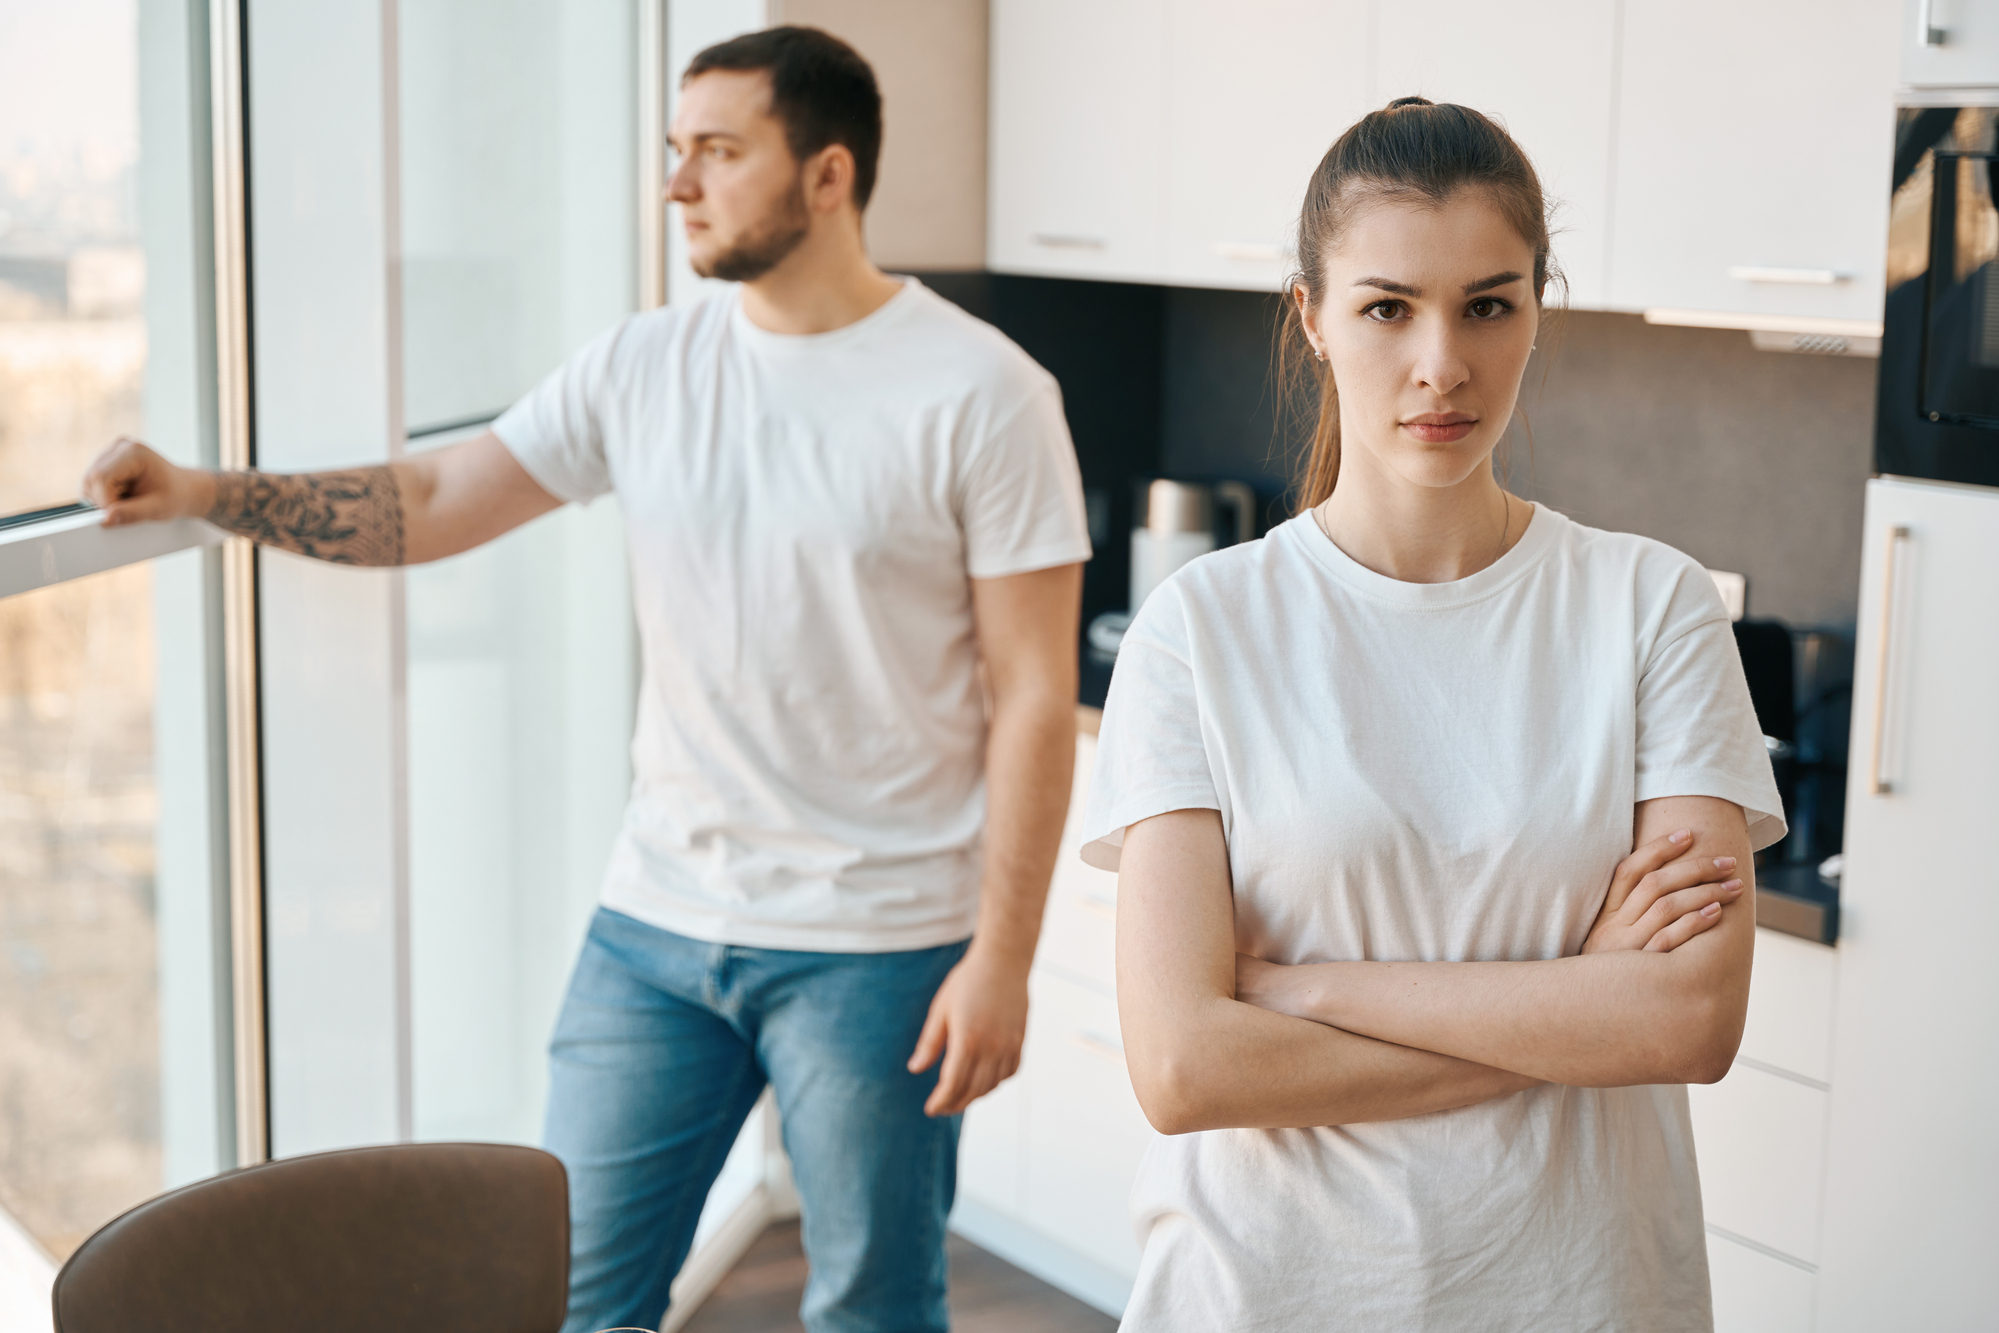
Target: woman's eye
<point>1384,312</point>
<point>1488,307</point>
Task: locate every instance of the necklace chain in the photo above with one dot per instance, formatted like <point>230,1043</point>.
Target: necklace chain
<point>1505,525</point>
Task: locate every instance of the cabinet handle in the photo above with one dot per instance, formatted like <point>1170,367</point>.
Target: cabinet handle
<point>1065,241</point>
<point>1803,277</point>
<point>1926,28</point>
<point>1877,784</point>
<point>1104,1048</point>
<point>1250,250</point>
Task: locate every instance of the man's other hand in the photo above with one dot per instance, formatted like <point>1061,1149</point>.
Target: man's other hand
<point>977,1022</point>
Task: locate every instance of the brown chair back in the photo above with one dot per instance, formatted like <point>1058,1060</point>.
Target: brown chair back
<point>411,1238</point>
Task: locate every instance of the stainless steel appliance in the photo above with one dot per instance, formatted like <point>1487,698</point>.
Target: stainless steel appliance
<point>1175,521</point>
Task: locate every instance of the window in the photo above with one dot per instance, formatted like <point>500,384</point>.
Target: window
<point>116,1074</point>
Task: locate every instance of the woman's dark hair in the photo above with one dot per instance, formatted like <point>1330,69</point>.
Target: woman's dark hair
<point>1410,151</point>
<point>821,91</point>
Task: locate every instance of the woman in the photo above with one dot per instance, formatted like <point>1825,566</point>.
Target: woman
<point>1414,1014</point>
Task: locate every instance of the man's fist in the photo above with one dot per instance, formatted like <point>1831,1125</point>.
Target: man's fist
<point>132,484</point>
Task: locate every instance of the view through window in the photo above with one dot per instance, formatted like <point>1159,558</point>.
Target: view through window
<point>80,1040</point>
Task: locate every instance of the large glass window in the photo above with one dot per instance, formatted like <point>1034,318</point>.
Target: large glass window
<point>115,1078</point>
<point>72,275</point>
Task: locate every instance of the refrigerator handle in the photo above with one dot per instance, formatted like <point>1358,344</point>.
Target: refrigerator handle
<point>1877,784</point>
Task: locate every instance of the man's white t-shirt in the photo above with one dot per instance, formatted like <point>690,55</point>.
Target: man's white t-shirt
<point>804,515</point>
<point>1429,772</point>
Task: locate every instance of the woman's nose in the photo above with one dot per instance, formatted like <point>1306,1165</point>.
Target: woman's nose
<point>1440,363</point>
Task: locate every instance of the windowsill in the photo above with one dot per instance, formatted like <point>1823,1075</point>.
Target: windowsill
<point>75,545</point>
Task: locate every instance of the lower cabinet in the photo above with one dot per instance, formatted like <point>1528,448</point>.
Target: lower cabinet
<point>1755,1292</point>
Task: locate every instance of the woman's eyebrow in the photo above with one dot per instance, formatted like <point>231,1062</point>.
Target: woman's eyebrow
<point>1389,285</point>
<point>1487,284</point>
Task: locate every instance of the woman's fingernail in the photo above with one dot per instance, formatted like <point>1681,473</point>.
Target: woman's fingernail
<point>1710,909</point>
<point>1724,863</point>
<point>1681,836</point>
<point>1733,886</point>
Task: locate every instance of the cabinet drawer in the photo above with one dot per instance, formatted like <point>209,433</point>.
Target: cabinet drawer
<point>1754,1293</point>
<point>1085,1133</point>
<point>1760,1142</point>
<point>1790,1006</point>
<point>989,1148</point>
<point>1078,933</point>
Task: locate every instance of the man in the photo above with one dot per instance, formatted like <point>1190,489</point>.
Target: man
<point>849,504</point>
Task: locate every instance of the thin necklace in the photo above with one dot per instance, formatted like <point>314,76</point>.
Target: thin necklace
<point>1505,526</point>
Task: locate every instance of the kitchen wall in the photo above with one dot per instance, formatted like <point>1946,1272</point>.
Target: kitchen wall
<point>1748,461</point>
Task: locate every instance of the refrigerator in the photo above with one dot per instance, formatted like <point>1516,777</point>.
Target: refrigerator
<point>1911,1204</point>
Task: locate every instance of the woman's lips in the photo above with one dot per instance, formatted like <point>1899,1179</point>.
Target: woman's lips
<point>1441,428</point>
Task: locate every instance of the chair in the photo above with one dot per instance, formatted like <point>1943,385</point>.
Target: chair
<point>411,1238</point>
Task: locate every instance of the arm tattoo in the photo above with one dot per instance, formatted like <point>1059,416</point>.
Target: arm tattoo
<point>350,518</point>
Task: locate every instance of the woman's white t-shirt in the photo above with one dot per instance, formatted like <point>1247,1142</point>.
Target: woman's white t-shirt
<point>1429,772</point>
<point>805,516</point>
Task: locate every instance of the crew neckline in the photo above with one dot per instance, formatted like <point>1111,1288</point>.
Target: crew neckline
<point>888,310</point>
<point>1525,553</point>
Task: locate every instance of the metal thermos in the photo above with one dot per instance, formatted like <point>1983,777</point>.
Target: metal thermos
<point>1176,522</point>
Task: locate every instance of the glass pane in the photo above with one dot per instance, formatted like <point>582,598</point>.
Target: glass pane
<point>79,970</point>
<point>518,213</point>
<point>72,276</point>
<point>519,237</point>
<point>115,1078</point>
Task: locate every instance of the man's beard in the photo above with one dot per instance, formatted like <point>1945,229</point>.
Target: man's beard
<point>764,246</point>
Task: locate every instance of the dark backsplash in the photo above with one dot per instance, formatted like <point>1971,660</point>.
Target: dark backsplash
<point>1748,461</point>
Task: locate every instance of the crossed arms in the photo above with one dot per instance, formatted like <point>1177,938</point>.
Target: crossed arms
<point>1215,1041</point>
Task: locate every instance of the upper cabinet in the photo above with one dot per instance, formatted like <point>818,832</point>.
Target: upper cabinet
<point>1544,71</point>
<point>1260,89</point>
<point>1752,157</point>
<point>1078,139</point>
<point>1724,158</point>
<point>1950,43</point>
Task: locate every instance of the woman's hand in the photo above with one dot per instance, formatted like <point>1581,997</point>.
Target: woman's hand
<point>1274,986</point>
<point>1657,903</point>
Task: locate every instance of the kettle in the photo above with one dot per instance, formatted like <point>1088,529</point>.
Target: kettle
<point>1175,521</point>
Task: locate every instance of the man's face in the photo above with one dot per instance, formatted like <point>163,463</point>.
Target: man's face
<point>740,191</point>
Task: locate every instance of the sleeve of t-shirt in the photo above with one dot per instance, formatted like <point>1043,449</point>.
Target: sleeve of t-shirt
<point>1022,505</point>
<point>556,430</point>
<point>1697,730</point>
<point>1152,756</point>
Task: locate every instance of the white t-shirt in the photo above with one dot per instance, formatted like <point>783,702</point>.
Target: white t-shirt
<point>1429,772</point>
<point>804,514</point>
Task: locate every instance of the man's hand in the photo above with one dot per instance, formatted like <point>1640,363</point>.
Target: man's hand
<point>1656,903</point>
<point>132,484</point>
<point>977,1022</point>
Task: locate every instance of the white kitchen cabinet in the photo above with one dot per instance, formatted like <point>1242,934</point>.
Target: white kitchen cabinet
<point>1752,157</point>
<point>1966,52</point>
<point>1260,89</point>
<point>1912,1188</point>
<point>1085,1131</point>
<point>1542,68</point>
<point>1790,1007</point>
<point>1756,1292</point>
<point>1078,139</point>
<point>1760,1142</point>
<point>1079,931</point>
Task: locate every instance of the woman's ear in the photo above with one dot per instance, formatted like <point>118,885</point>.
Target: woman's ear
<point>1302,298</point>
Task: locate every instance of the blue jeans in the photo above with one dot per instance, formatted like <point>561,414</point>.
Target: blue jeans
<point>663,1046</point>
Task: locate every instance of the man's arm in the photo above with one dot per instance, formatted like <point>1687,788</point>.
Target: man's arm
<point>1201,1059</point>
<point>424,507</point>
<point>1027,627</point>
<point>1599,1020</point>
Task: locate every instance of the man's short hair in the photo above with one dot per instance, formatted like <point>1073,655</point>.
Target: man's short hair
<point>821,91</point>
